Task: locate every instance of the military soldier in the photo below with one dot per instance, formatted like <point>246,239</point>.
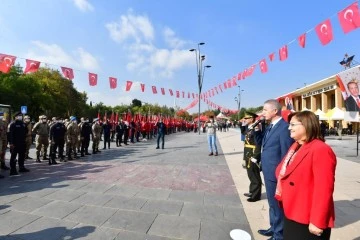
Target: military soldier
<point>85,133</point>
<point>3,142</point>
<point>28,140</point>
<point>41,129</point>
<point>72,136</point>
<point>79,140</point>
<point>96,134</point>
<point>57,138</point>
<point>252,157</point>
<point>17,137</point>
<point>119,132</point>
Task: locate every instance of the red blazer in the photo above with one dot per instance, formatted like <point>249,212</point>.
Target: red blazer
<point>308,185</point>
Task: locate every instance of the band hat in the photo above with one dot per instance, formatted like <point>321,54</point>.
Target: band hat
<point>17,114</point>
<point>250,115</point>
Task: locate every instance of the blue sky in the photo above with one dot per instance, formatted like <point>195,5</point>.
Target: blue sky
<point>148,42</point>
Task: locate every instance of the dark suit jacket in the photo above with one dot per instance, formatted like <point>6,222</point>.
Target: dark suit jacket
<point>351,105</point>
<point>308,185</point>
<point>274,148</point>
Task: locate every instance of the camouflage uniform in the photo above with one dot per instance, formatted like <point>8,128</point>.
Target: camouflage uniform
<point>72,138</point>
<point>3,143</point>
<point>96,134</point>
<point>42,131</point>
<point>28,139</point>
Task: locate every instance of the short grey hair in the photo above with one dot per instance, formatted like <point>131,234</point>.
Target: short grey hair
<point>276,105</point>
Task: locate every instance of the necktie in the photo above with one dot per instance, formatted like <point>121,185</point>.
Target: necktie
<point>267,131</point>
<point>358,102</point>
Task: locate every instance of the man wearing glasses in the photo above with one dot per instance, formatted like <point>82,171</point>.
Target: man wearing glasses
<point>275,141</point>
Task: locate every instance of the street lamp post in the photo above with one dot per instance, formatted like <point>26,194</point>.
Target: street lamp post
<point>238,101</point>
<point>200,70</point>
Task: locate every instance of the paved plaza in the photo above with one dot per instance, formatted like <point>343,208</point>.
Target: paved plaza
<point>138,192</point>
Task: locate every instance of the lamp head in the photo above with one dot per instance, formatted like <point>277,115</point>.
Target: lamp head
<point>208,66</point>
<point>202,43</point>
<point>191,50</point>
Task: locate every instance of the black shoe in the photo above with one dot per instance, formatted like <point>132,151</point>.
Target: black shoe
<point>162,148</point>
<point>266,232</point>
<point>157,147</point>
<point>4,167</point>
<point>98,151</point>
<point>87,153</point>
<point>54,162</point>
<point>82,155</point>
<point>247,194</point>
<point>253,199</point>
<point>210,154</point>
<point>24,170</point>
<point>13,173</point>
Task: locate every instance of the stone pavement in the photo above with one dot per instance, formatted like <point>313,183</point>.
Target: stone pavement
<point>137,192</point>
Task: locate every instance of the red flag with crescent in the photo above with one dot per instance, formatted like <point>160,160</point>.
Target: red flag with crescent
<point>68,73</point>
<point>171,92</point>
<point>6,62</point>
<point>162,91</point>
<point>92,79</point>
<point>272,56</point>
<point>283,53</point>
<point>302,40</point>
<point>31,66</point>
<point>177,94</point>
<point>183,94</point>
<point>324,32</point>
<point>263,66</point>
<point>239,76</point>
<point>128,85</point>
<point>233,82</point>
<point>154,89</point>
<point>142,86</point>
<point>113,82</point>
<point>349,18</point>
<point>193,95</point>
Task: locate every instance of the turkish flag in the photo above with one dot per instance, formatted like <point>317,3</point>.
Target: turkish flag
<point>154,89</point>
<point>128,85</point>
<point>324,32</point>
<point>263,66</point>
<point>142,86</point>
<point>216,90</point>
<point>68,73</point>
<point>113,82</point>
<point>220,87</point>
<point>188,94</point>
<point>177,94</point>
<point>244,75</point>
<point>171,92</point>
<point>31,66</point>
<point>233,83</point>
<point>239,76</point>
<point>302,40</point>
<point>163,91</point>
<point>6,62</point>
<point>283,53</point>
<point>193,95</point>
<point>183,94</point>
<point>213,92</point>
<point>250,70</point>
<point>92,79</point>
<point>272,56</point>
<point>349,18</point>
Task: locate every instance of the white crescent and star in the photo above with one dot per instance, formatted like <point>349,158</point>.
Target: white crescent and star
<point>324,28</point>
<point>8,61</point>
<point>348,15</point>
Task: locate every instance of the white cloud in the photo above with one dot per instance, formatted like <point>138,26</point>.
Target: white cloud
<point>131,26</point>
<point>54,54</point>
<point>136,34</point>
<point>83,5</point>
<point>171,39</point>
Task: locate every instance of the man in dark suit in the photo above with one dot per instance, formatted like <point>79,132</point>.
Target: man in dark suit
<point>352,103</point>
<point>275,141</point>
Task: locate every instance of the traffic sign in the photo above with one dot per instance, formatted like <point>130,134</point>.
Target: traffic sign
<point>24,109</point>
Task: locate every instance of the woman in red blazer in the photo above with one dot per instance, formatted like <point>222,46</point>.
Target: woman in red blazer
<point>306,179</point>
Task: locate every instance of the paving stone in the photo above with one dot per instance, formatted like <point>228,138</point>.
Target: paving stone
<point>97,199</point>
<point>123,190</point>
<point>224,200</point>
<point>131,220</point>
<point>91,215</point>
<point>126,203</point>
<point>28,204</point>
<point>235,214</point>
<point>151,193</point>
<point>175,227</point>
<point>163,207</point>
<point>42,192</point>
<point>95,187</point>
<point>13,220</point>
<point>57,209</point>
<point>187,196</point>
<point>201,211</point>
<point>215,229</point>
<point>65,195</point>
<point>85,232</point>
<point>70,184</point>
<point>44,229</point>
<point>139,236</point>
<point>10,197</point>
